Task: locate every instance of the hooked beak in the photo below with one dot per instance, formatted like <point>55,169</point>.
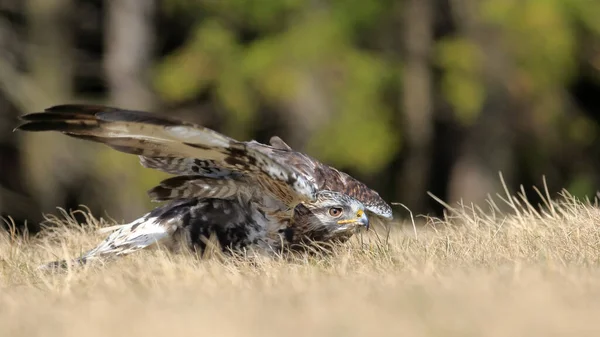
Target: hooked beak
<point>361,219</point>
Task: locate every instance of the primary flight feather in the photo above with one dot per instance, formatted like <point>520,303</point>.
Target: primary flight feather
<point>250,195</point>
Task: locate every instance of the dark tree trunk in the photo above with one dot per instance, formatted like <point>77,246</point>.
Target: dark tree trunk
<point>417,103</point>
<point>487,147</point>
<point>129,44</point>
<point>129,52</point>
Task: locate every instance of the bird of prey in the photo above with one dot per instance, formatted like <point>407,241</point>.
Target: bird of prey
<point>249,195</point>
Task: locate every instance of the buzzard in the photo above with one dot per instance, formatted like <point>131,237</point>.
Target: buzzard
<point>250,196</point>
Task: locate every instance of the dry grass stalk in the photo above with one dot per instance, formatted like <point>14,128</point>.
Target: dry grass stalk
<point>533,271</point>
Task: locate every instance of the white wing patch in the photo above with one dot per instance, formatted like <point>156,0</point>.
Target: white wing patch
<point>131,237</point>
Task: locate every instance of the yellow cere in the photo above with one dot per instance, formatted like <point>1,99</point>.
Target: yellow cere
<point>359,214</point>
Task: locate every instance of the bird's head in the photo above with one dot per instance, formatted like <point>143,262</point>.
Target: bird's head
<point>332,215</point>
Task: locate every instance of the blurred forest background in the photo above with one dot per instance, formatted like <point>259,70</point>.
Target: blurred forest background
<point>408,96</point>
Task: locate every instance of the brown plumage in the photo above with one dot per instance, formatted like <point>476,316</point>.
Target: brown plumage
<point>266,191</point>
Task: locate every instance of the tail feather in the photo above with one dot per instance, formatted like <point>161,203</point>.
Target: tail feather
<point>132,237</point>
<point>124,240</point>
<point>154,227</point>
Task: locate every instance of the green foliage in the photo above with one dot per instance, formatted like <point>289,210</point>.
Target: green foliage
<point>537,45</point>
<point>331,69</point>
<point>462,82</point>
<point>211,57</point>
<point>581,186</point>
<point>300,46</point>
<point>361,134</point>
<point>316,45</point>
<point>540,38</point>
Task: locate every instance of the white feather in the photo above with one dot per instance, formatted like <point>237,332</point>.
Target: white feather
<point>136,235</point>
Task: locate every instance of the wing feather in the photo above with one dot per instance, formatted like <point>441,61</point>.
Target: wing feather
<point>184,148</point>
<point>151,135</point>
<point>181,187</point>
<point>187,166</point>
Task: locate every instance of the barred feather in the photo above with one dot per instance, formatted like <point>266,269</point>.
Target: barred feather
<point>151,135</point>
<point>187,166</point>
<point>182,187</point>
<point>180,147</point>
<point>249,194</point>
<point>182,224</point>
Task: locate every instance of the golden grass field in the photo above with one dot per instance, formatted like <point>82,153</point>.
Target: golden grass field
<point>523,272</point>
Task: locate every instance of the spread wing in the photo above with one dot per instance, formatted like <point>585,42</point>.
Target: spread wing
<point>213,165</point>
<point>203,173</point>
<point>188,146</point>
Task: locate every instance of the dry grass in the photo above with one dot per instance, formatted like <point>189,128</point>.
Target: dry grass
<point>476,273</point>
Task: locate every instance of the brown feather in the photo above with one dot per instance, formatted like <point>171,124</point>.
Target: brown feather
<point>152,135</point>
<point>181,187</point>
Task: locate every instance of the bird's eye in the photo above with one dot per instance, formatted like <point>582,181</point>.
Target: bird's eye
<point>335,212</point>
